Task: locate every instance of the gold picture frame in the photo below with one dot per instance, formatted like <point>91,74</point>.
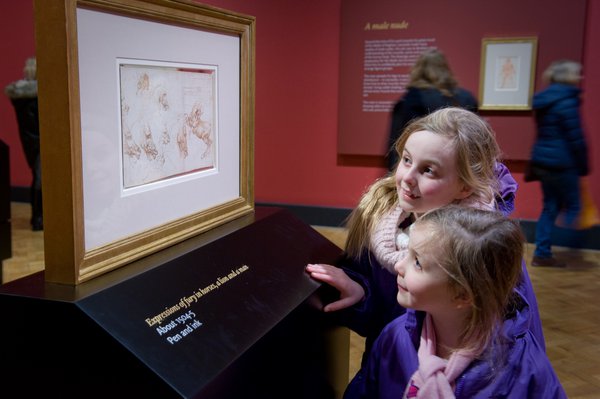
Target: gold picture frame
<point>507,73</point>
<point>92,222</point>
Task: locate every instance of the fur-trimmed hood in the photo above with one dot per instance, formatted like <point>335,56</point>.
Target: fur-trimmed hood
<point>22,89</point>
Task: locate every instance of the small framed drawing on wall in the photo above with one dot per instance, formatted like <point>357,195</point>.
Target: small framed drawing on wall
<point>507,73</point>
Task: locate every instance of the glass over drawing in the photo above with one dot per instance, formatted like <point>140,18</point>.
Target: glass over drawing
<point>507,72</point>
<point>167,121</point>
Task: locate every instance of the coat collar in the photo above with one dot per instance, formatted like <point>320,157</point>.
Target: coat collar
<point>515,325</point>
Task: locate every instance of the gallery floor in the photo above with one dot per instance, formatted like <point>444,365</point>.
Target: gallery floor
<point>568,301</point>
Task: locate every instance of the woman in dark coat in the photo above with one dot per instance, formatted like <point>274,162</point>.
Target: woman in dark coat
<point>559,154</point>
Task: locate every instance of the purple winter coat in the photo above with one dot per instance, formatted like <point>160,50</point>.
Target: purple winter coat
<point>525,373</point>
<point>380,306</point>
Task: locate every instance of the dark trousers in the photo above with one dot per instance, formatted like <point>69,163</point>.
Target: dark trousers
<point>561,194</point>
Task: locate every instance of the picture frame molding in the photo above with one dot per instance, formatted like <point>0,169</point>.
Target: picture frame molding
<point>67,260</point>
<point>519,79</point>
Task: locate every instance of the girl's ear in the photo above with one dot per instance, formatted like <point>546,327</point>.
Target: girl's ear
<point>463,300</point>
<point>464,192</point>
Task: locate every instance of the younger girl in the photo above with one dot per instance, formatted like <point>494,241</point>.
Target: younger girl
<point>466,333</point>
<point>448,156</point>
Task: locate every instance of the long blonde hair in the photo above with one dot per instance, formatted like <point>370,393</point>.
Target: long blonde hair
<point>476,154</point>
<point>431,70</point>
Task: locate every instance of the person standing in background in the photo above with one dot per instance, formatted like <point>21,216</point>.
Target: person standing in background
<point>23,95</point>
<point>559,154</point>
<point>432,86</point>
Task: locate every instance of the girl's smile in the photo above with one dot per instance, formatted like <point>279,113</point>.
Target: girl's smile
<point>408,193</point>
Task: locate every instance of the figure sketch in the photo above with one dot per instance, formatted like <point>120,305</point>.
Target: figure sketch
<point>507,73</point>
<point>167,121</point>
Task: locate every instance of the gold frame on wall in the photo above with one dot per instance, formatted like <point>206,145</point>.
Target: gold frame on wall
<point>68,260</point>
<point>507,75</point>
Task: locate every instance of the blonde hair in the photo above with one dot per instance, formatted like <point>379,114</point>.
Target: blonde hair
<point>431,70</point>
<point>481,252</point>
<point>476,155</point>
<point>563,71</point>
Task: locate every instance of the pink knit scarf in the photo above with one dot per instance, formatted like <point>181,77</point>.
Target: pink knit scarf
<point>435,376</point>
<point>389,243</point>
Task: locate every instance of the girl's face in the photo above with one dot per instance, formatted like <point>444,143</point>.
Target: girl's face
<point>422,283</point>
<point>427,175</point>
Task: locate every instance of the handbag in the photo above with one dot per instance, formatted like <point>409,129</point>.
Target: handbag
<point>533,172</point>
<point>588,216</point>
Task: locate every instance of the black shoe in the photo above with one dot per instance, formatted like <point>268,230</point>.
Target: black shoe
<point>547,262</point>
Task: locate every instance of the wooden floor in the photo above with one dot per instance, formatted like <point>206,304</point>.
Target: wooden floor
<point>568,300</point>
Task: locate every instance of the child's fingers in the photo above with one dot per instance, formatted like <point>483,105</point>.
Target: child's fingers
<point>325,278</point>
<point>340,304</point>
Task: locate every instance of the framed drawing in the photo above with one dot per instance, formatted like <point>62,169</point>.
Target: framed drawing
<point>507,73</point>
<point>147,127</point>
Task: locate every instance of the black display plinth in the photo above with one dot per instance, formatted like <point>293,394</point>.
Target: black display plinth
<point>228,314</point>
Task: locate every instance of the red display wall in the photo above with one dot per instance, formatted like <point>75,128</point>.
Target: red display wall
<point>380,41</point>
<point>297,81</point>
<point>17,43</point>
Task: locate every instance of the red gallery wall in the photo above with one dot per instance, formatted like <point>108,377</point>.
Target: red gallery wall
<point>17,43</point>
<point>297,80</point>
<point>402,33</point>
